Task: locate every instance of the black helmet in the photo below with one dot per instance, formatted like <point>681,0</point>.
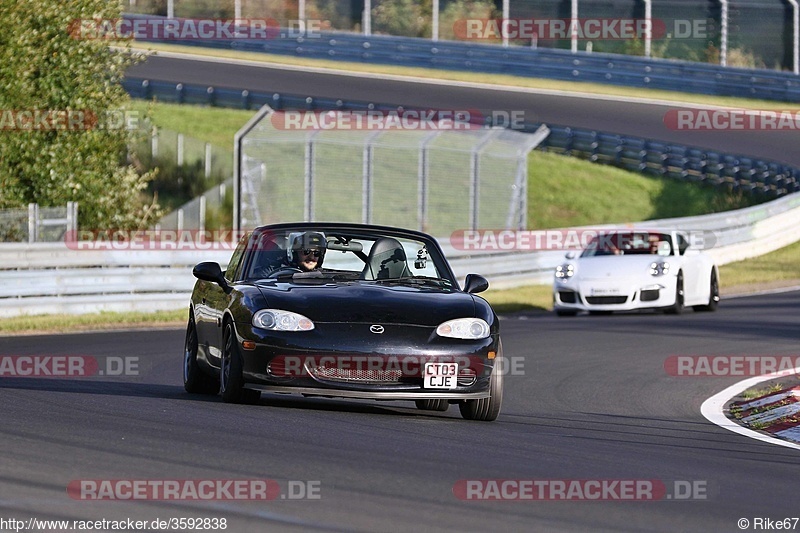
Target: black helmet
<point>310,240</point>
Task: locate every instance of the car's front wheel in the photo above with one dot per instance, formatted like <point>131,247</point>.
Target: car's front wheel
<point>487,409</point>
<point>678,306</point>
<point>231,380</point>
<point>713,295</point>
<point>194,379</point>
<point>432,405</point>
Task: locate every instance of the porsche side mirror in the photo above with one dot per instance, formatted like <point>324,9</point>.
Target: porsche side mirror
<point>570,255</point>
<point>474,284</point>
<point>210,271</point>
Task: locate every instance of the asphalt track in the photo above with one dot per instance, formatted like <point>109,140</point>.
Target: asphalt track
<point>643,119</point>
<point>589,399</point>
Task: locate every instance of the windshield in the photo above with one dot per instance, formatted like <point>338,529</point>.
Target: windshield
<point>629,243</point>
<point>340,255</point>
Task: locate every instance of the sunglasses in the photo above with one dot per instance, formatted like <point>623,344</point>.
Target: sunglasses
<point>314,253</point>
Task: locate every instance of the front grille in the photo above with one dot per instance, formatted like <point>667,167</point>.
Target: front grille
<point>649,295</point>
<point>606,300</point>
<point>567,297</point>
<point>360,375</point>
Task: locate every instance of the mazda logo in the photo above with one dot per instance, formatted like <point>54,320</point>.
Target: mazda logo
<point>376,328</point>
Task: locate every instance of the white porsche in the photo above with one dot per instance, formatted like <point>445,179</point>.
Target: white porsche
<point>634,269</point>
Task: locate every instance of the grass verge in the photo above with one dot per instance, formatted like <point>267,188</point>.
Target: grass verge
<point>24,325</point>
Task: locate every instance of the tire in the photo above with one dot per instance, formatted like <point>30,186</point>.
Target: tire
<point>231,380</point>
<point>487,409</point>
<point>565,312</point>
<point>713,295</point>
<point>432,405</point>
<point>195,381</point>
<point>678,306</point>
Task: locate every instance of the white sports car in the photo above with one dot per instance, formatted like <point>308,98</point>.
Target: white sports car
<point>632,269</point>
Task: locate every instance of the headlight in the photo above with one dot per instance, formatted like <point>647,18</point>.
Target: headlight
<point>278,320</point>
<point>464,328</point>
<point>659,268</point>
<point>565,271</point>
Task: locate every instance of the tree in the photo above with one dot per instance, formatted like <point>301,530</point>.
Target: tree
<point>47,68</point>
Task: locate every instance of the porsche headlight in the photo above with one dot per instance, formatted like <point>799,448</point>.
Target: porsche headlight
<point>278,320</point>
<point>464,328</point>
<point>565,271</point>
<point>659,268</point>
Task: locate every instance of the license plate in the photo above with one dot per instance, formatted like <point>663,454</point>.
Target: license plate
<point>606,292</point>
<point>440,375</point>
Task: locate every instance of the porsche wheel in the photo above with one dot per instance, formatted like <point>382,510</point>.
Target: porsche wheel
<point>231,381</point>
<point>713,295</point>
<point>432,405</point>
<point>194,379</point>
<point>677,307</point>
<point>487,409</point>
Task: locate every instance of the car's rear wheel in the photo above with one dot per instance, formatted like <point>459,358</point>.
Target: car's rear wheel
<point>194,379</point>
<point>713,295</point>
<point>487,409</point>
<point>432,405</point>
<point>678,306</point>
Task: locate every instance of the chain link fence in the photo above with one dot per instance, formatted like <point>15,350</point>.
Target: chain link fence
<point>437,181</point>
<point>38,224</point>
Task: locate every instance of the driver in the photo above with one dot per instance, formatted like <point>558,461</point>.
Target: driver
<point>307,251</point>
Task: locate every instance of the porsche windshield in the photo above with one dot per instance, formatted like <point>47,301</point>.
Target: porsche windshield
<point>629,243</point>
<point>337,255</point>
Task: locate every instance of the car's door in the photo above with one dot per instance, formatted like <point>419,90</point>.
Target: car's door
<point>216,300</point>
<point>692,267</point>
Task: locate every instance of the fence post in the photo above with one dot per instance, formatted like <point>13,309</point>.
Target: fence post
<point>208,160</point>
<point>366,178</point>
<point>180,149</point>
<point>308,178</point>
<point>202,224</point>
<point>180,219</point>
<point>33,223</point>
<point>154,143</point>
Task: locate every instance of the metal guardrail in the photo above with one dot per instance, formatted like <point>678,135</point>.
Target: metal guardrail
<point>734,171</point>
<point>613,69</point>
<point>124,280</point>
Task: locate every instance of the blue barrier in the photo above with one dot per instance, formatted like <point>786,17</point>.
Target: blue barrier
<point>730,171</point>
<point>612,69</point>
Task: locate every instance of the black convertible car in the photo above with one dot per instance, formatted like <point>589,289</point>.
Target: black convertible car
<point>343,310</point>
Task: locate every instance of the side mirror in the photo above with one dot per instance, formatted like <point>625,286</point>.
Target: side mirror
<point>210,271</point>
<point>570,255</point>
<point>475,284</point>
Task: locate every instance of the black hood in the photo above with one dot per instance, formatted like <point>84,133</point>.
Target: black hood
<point>369,302</point>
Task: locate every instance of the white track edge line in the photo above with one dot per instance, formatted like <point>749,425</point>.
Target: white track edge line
<point>712,410</point>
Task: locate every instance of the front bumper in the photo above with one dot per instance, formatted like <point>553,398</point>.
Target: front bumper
<point>614,294</point>
<point>340,362</point>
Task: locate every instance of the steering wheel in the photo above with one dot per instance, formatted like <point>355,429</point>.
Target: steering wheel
<point>283,271</point>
